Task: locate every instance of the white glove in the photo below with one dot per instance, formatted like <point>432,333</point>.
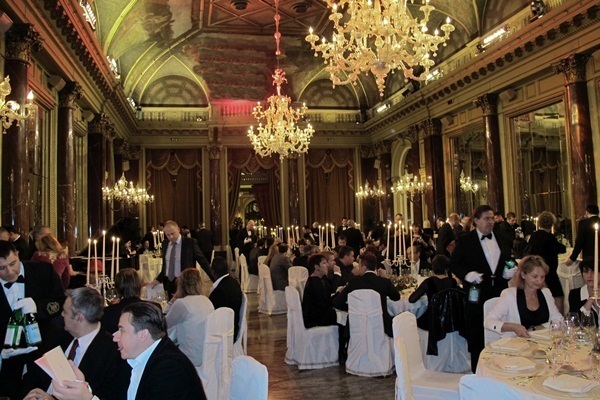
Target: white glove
<point>8,353</point>
<point>247,240</point>
<point>508,273</point>
<point>474,277</point>
<point>27,305</point>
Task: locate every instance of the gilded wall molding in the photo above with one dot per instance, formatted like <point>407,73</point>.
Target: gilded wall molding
<point>572,68</point>
<point>376,149</point>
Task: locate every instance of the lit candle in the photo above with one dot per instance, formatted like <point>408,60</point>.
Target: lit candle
<point>118,240</point>
<point>96,260</point>
<point>103,250</point>
<point>289,238</point>
<point>403,242</point>
<point>395,241</point>
<point>112,260</point>
<point>87,278</point>
<point>332,237</point>
<point>387,247</point>
<point>595,259</point>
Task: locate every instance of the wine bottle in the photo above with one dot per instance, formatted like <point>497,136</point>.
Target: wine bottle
<point>11,328</point>
<point>32,330</point>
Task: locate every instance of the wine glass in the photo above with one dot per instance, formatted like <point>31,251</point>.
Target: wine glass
<point>588,325</point>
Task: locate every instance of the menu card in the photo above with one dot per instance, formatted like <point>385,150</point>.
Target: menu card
<point>56,365</point>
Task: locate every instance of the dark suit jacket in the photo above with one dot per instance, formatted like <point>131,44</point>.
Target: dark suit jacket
<point>575,303</point>
<point>23,248</point>
<point>104,369</point>
<point>190,254</point>
<point>112,313</point>
<point>206,242</point>
<point>228,293</point>
<point>354,239</point>
<point>584,243</point>
<point>280,264</point>
<point>317,308</point>
<point>381,285</point>
<point>43,285</point>
<point>445,235</point>
<point>169,374</point>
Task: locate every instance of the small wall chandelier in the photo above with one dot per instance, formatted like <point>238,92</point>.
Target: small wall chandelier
<point>378,36</point>
<point>467,184</point>
<point>9,110</point>
<point>126,193</point>
<point>278,130</point>
<point>365,192</point>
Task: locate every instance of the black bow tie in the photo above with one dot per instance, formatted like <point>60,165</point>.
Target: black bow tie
<point>488,236</point>
<point>20,279</point>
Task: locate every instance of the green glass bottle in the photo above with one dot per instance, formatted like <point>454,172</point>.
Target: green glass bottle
<point>11,329</point>
<point>32,330</point>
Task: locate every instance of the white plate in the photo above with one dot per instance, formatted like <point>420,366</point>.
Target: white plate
<point>526,350</point>
<point>491,364</point>
<point>538,386</point>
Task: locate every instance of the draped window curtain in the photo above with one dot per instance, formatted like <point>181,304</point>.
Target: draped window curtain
<point>330,185</point>
<point>267,195</point>
<point>547,185</point>
<point>175,179</point>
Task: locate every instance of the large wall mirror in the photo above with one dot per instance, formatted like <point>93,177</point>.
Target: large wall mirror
<point>542,163</point>
<point>470,174</point>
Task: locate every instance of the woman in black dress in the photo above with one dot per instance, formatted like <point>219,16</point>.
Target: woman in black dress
<point>543,243</point>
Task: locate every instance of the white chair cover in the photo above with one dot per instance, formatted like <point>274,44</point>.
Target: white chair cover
<point>425,383</point>
<point>473,387</point>
<point>244,270</point>
<point>249,379</point>
<point>236,272</point>
<point>488,335</point>
<point>261,261</point>
<point>145,269</point>
<point>570,278</point>
<point>229,256</point>
<point>217,356</point>
<point>297,277</point>
<point>212,257</point>
<point>403,383</point>
<point>370,351</point>
<point>308,348</point>
<point>453,353</point>
<point>270,302</point>
<point>240,347</point>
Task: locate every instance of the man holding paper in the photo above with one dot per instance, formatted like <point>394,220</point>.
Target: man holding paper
<point>90,347</point>
<point>32,287</point>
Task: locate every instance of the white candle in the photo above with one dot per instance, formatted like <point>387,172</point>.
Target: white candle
<point>387,247</point>
<point>595,258</point>
<point>96,260</point>
<point>289,238</point>
<point>103,251</point>
<point>395,241</point>
<point>87,278</point>
<point>332,236</point>
<point>112,260</point>
<point>403,242</point>
<point>118,241</point>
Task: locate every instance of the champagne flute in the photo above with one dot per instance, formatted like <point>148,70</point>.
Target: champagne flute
<point>588,325</point>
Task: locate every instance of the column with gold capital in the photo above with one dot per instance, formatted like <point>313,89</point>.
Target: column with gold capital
<point>434,167</point>
<point>489,105</point>
<point>99,130</point>
<point>21,39</point>
<point>67,98</point>
<point>214,155</point>
<point>579,132</point>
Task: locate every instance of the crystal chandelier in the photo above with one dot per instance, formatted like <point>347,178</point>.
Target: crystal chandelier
<point>466,184</point>
<point>365,192</point>
<point>378,36</point>
<point>126,193</point>
<point>411,185</point>
<point>278,130</point>
<point>9,110</point>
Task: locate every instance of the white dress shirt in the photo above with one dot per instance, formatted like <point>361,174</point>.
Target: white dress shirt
<point>84,342</point>
<point>16,291</point>
<point>177,269</point>
<point>138,365</point>
<point>491,250</point>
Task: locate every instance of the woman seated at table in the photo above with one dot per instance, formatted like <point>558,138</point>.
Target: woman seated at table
<point>432,285</point>
<point>128,285</point>
<point>527,304</point>
<point>579,299</point>
<point>186,319</point>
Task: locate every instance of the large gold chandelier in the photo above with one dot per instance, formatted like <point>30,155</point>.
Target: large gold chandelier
<point>126,193</point>
<point>278,130</point>
<point>364,192</point>
<point>378,36</point>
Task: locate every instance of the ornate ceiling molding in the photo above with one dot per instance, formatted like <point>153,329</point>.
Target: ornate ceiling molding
<point>376,149</point>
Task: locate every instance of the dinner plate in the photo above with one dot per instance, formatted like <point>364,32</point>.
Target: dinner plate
<point>526,351</point>
<point>537,385</point>
<point>493,366</point>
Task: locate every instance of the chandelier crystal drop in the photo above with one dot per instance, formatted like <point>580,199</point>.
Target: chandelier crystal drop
<point>126,193</point>
<point>279,128</point>
<point>10,110</point>
<point>379,36</point>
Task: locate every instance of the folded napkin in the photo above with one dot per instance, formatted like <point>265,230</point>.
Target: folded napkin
<point>514,363</point>
<point>570,384</point>
<point>540,334</point>
<point>510,344</point>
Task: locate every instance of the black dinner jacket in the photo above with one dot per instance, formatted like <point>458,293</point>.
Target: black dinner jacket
<point>575,303</point>
<point>190,254</point>
<point>585,238</point>
<point>169,374</point>
<point>381,285</point>
<point>23,248</point>
<point>228,293</point>
<point>469,256</point>
<point>445,235</point>
<point>104,369</point>
<point>354,239</point>
<point>112,313</point>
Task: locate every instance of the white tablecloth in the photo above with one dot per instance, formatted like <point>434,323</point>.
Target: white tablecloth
<point>149,268</point>
<point>570,278</point>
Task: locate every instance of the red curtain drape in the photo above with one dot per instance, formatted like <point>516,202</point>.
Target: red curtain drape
<point>175,179</point>
<point>330,185</point>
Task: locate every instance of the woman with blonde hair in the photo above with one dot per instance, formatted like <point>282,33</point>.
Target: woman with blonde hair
<point>527,304</point>
<point>50,251</point>
<point>186,319</point>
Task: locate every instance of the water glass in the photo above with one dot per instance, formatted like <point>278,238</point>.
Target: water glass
<point>588,326</point>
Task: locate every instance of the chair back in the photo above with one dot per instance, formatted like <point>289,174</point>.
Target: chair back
<point>297,277</point>
<point>266,299</point>
<point>217,355</point>
<point>249,379</point>
<point>405,327</point>
<point>295,321</point>
<point>446,315</point>
<point>145,269</point>
<point>240,347</point>
<point>229,257</point>
<point>261,261</point>
<point>403,382</point>
<point>244,272</point>
<point>236,252</point>
<point>490,336</point>
<point>370,349</point>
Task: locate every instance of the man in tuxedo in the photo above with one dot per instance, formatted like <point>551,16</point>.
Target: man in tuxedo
<point>345,261</point>
<point>417,264</point>
<point>279,266</point>
<point>340,229</point>
<point>159,369</point>
<point>206,241</point>
<point>585,242</point>
<point>226,292</point>
<point>89,346</point>
<point>19,242</point>
<point>317,308</point>
<point>479,259</point>
<point>245,236</point>
<point>35,288</point>
<point>179,253</point>
<point>449,230</point>
<point>354,237</point>
<point>368,279</point>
